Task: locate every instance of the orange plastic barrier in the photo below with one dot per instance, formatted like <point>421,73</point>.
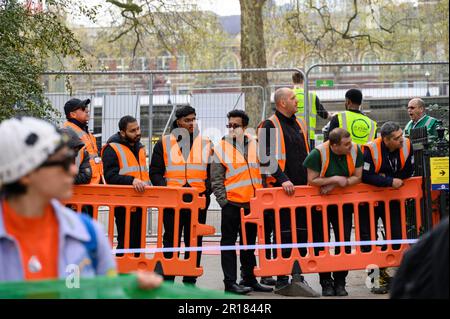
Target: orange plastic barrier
<point>309,199</point>
<point>177,198</point>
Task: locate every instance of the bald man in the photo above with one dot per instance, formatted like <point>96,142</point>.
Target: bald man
<point>416,111</point>
<point>283,146</point>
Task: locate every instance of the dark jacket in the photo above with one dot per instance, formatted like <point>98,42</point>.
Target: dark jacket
<point>296,151</point>
<point>218,171</point>
<point>423,273</point>
<point>111,162</point>
<point>390,167</point>
<point>84,169</point>
<point>158,166</point>
<point>320,109</point>
<point>84,127</point>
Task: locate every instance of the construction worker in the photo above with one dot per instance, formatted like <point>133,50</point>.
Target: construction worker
<point>360,126</point>
<point>124,163</point>
<point>77,114</point>
<point>416,112</point>
<point>41,239</point>
<point>388,160</point>
<point>316,107</point>
<point>181,159</point>
<point>235,176</point>
<point>335,163</point>
<point>283,146</point>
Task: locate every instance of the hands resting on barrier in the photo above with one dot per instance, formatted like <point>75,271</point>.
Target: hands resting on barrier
<point>139,185</point>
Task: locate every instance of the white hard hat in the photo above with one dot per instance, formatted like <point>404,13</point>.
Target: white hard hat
<point>25,144</point>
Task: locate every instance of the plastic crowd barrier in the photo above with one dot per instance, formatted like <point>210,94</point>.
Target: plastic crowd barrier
<point>311,207</point>
<point>176,198</point>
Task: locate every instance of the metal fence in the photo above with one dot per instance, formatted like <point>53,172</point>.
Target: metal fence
<point>387,86</point>
<point>152,96</point>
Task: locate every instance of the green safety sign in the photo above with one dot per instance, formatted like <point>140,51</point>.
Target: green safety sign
<point>324,83</point>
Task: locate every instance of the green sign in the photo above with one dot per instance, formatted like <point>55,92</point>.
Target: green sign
<point>324,83</point>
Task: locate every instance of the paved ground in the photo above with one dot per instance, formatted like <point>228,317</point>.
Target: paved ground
<point>212,278</point>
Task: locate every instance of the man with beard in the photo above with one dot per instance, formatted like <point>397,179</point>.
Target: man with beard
<point>181,159</point>
<point>124,163</point>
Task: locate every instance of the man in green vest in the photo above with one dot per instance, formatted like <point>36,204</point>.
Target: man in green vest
<point>416,111</point>
<point>361,128</point>
<point>316,107</point>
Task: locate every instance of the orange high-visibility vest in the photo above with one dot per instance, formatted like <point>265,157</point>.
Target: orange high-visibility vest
<point>324,150</point>
<point>280,153</point>
<point>377,157</point>
<point>91,146</point>
<point>80,157</point>
<point>128,164</point>
<point>242,176</point>
<point>194,171</point>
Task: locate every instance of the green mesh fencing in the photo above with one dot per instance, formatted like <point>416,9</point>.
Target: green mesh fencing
<point>121,287</point>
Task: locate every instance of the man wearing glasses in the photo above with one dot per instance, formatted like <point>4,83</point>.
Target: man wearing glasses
<point>77,114</point>
<point>235,176</point>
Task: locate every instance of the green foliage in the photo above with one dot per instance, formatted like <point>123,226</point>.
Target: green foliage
<point>389,29</point>
<point>28,38</point>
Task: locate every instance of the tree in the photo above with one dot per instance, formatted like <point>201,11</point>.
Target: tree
<point>28,38</point>
<point>253,53</point>
<point>175,26</point>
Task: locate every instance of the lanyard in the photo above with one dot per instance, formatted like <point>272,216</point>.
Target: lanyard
<point>392,163</point>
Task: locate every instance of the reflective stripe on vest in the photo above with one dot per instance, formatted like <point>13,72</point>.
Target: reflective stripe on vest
<point>377,158</point>
<point>280,154</point>
<point>128,164</point>
<point>360,134</point>
<point>281,147</point>
<point>242,176</point>
<point>301,110</point>
<point>80,156</point>
<point>180,172</point>
<point>324,150</point>
<point>427,124</point>
<point>91,146</point>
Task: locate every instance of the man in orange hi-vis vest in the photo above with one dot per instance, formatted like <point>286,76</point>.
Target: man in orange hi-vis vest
<point>335,163</point>
<point>124,162</point>
<point>388,160</point>
<point>235,176</point>
<point>77,114</point>
<point>283,146</point>
<point>182,159</point>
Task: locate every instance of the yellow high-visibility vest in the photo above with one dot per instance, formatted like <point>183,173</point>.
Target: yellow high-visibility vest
<point>361,128</point>
<point>300,94</point>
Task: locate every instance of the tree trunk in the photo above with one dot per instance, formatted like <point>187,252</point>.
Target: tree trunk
<point>253,55</point>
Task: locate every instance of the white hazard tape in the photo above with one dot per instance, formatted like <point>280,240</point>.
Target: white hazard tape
<point>246,247</point>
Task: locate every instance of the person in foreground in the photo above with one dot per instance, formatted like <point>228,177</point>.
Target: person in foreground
<point>39,237</point>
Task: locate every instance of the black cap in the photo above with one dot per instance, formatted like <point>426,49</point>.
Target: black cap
<point>184,111</point>
<point>74,104</point>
